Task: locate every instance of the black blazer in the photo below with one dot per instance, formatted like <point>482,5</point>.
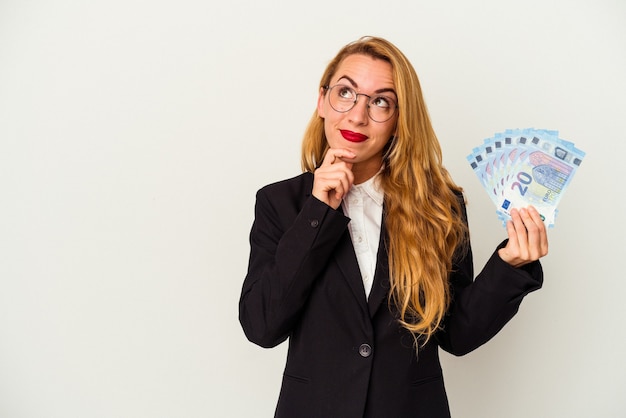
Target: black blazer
<point>348,356</point>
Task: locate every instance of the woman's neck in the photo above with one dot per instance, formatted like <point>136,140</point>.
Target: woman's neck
<point>365,170</point>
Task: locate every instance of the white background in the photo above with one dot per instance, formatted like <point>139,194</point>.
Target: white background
<point>134,134</point>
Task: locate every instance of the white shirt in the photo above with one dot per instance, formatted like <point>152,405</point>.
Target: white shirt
<point>364,206</point>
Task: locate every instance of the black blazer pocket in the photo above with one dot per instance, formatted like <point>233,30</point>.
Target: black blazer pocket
<point>426,380</point>
<point>294,378</point>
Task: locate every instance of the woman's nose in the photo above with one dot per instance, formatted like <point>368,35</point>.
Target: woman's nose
<point>359,113</point>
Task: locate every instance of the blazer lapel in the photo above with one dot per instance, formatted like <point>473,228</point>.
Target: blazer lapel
<point>349,266</point>
<point>380,287</point>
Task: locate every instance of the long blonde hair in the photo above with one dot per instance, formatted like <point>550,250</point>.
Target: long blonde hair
<point>423,216</point>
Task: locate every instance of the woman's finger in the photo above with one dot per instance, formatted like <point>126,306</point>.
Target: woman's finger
<point>537,235</point>
<point>334,155</point>
<point>334,177</point>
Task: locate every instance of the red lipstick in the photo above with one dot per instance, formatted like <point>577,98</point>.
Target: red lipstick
<point>353,136</point>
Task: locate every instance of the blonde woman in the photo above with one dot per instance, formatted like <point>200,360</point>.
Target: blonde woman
<point>363,262</point>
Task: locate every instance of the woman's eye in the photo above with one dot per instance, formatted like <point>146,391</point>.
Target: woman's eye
<point>346,93</point>
<point>381,101</point>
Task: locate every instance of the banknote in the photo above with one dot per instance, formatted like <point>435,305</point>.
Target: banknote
<point>522,167</point>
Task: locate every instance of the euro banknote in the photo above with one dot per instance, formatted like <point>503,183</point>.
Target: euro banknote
<point>522,167</point>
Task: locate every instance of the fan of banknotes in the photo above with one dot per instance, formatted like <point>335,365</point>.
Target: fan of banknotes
<point>522,167</point>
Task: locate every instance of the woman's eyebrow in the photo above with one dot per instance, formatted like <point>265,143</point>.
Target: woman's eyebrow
<point>356,86</point>
<point>386,90</point>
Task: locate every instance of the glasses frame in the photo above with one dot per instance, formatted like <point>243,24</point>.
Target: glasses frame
<point>356,99</point>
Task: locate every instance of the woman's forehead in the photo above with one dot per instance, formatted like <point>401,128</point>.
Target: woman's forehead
<point>364,71</point>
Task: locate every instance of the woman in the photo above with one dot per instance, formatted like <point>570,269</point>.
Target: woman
<point>363,261</point>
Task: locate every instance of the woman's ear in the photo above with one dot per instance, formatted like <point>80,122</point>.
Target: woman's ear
<point>321,108</point>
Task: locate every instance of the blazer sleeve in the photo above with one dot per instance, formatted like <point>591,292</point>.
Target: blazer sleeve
<point>481,307</point>
<point>289,248</point>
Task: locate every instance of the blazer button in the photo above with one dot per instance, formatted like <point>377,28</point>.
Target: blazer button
<point>314,223</point>
<point>365,350</point>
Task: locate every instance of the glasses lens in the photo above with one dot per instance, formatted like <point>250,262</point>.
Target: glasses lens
<point>381,108</point>
<point>342,98</point>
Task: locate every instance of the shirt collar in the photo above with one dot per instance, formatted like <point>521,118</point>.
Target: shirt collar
<point>373,188</point>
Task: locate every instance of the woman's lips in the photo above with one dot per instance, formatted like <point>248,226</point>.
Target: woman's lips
<point>353,136</point>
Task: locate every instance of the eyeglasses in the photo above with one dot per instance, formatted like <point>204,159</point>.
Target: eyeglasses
<point>342,98</point>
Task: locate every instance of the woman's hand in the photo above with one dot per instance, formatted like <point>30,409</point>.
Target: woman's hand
<point>333,179</point>
<point>528,239</point>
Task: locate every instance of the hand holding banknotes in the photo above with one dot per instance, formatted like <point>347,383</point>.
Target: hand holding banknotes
<point>528,240</point>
